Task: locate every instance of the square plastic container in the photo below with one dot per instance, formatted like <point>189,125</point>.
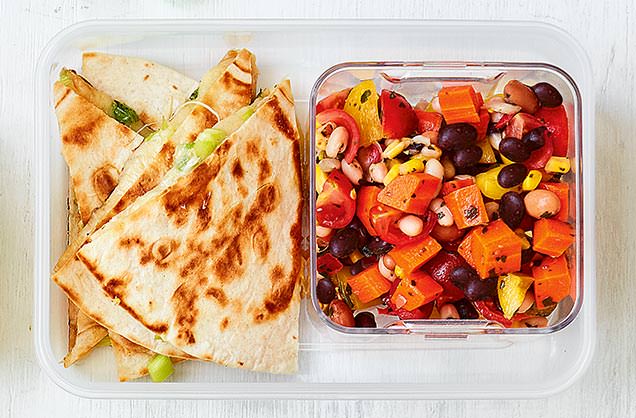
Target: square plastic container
<point>333,365</point>
<point>422,80</point>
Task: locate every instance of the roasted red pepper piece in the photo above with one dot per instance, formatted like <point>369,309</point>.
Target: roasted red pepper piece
<point>328,264</point>
<point>397,115</point>
<point>428,121</point>
<point>555,120</point>
<point>366,200</point>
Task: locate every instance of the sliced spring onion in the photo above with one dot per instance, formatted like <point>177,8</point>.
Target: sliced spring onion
<point>207,141</point>
<point>194,94</point>
<point>65,78</point>
<point>246,112</point>
<point>160,368</point>
<point>124,114</point>
<point>105,342</point>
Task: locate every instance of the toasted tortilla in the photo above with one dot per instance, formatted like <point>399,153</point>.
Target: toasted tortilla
<point>153,90</point>
<point>216,270</point>
<point>83,333</point>
<point>95,148</point>
<point>231,84</point>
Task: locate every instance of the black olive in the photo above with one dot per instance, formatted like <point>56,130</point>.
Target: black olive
<point>376,246</point>
<point>344,242</point>
<point>467,157</point>
<point>535,138</point>
<point>512,209</point>
<point>465,309</point>
<point>325,291</point>
<point>456,136</point>
<point>547,94</point>
<point>365,320</point>
<point>512,175</point>
<point>514,149</point>
<point>472,285</point>
<point>362,264</point>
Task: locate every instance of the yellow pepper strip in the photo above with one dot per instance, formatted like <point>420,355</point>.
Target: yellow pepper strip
<point>531,181</point>
<point>392,174</point>
<point>511,290</point>
<point>411,166</point>
<point>558,165</point>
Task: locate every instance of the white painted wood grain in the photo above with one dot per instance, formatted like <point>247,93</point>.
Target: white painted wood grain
<point>606,30</point>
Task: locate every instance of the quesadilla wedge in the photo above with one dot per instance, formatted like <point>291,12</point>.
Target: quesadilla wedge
<point>231,83</point>
<point>212,262</point>
<point>153,90</point>
<point>95,147</point>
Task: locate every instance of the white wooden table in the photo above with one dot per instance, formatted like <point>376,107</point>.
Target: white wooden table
<point>606,30</point>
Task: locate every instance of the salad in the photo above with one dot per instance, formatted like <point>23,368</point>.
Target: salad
<point>455,206</point>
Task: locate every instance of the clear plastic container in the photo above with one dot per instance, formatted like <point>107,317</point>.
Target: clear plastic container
<point>333,365</point>
<point>422,80</point>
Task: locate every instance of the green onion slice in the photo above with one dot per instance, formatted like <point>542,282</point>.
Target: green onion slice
<point>160,368</point>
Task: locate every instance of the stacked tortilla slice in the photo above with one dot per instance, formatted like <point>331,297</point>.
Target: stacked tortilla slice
<point>146,166</point>
<point>201,262</point>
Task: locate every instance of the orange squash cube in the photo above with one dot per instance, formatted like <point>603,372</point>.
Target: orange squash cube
<point>551,281</point>
<point>467,206</point>
<point>492,250</point>
<point>552,237</point>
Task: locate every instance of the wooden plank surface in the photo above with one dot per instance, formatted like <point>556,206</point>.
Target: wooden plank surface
<point>606,29</point>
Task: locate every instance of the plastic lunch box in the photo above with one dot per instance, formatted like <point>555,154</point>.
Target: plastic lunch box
<point>462,361</point>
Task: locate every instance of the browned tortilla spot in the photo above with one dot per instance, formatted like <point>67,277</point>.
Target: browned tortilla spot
<point>252,149</point>
<point>175,87</point>
<point>84,134</point>
<point>217,294</point>
<point>179,200</point>
<point>231,83</point>
<point>281,293</point>
<point>104,181</point>
<point>225,323</point>
<point>260,242</point>
<point>184,300</point>
<point>204,118</point>
<point>230,263</point>
<point>129,242</point>
<point>279,120</point>
<point>237,170</point>
<point>146,77</point>
<point>264,170</point>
